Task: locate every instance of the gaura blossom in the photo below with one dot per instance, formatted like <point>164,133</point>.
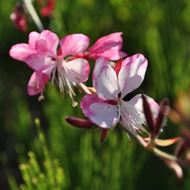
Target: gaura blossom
<point>41,55</point>
<point>18,17</point>
<point>107,107</point>
<point>66,66</point>
<point>48,8</point>
<point>108,46</point>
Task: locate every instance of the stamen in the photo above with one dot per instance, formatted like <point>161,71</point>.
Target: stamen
<point>62,81</point>
<point>41,97</point>
<point>53,76</point>
<point>132,119</point>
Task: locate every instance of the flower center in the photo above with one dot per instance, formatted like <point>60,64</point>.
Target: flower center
<point>61,79</point>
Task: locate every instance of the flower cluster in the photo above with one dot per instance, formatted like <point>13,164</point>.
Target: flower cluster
<point>24,12</point>
<point>66,63</point>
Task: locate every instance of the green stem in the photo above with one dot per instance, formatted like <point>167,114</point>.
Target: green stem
<point>30,8</point>
<point>153,149</point>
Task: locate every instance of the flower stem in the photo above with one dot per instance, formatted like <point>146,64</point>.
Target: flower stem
<point>156,151</point>
<point>164,155</point>
<point>31,10</point>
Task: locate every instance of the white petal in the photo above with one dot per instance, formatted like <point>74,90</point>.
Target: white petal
<point>100,63</point>
<point>106,83</point>
<point>102,114</point>
<point>137,102</point>
<point>131,118</point>
<point>132,73</point>
<point>77,70</point>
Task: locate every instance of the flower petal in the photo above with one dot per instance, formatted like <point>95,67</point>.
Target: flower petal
<point>108,46</point>
<point>102,114</point>
<point>131,118</point>
<point>41,63</point>
<point>101,62</point>
<point>77,70</point>
<point>33,36</point>
<point>132,112</point>
<point>74,44</point>
<point>48,42</point>
<point>37,83</point>
<point>137,102</point>
<point>21,51</point>
<point>105,81</point>
<point>132,73</point>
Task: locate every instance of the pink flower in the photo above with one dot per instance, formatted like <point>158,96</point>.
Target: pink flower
<point>41,55</point>
<point>107,107</point>
<point>109,47</point>
<point>47,10</point>
<point>18,17</point>
<point>37,83</point>
<point>68,66</point>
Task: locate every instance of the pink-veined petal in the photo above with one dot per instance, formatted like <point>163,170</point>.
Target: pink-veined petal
<point>77,70</point>
<point>41,63</point>
<point>137,102</point>
<point>21,51</point>
<point>37,83</point>
<point>74,44</point>
<point>106,83</point>
<point>108,46</point>
<point>102,114</point>
<point>33,36</point>
<point>132,73</point>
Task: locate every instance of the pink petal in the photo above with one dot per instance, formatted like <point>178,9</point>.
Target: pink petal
<point>137,102</point>
<point>33,36</point>
<point>77,70</point>
<point>37,83</point>
<point>21,51</point>
<point>108,46</point>
<point>74,44</point>
<point>47,43</point>
<point>42,47</point>
<point>102,114</point>
<point>105,83</point>
<point>132,73</point>
<point>41,63</point>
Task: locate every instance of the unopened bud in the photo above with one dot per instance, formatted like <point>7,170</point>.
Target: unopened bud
<point>79,122</point>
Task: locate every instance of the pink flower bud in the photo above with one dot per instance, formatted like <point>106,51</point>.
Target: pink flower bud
<point>18,17</point>
<point>79,122</point>
<point>47,10</point>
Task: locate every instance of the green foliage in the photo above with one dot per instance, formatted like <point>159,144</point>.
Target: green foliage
<point>40,175</point>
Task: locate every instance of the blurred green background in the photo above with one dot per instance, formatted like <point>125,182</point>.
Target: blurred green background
<point>158,29</point>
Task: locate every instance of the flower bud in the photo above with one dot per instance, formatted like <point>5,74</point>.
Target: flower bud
<point>79,122</point>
